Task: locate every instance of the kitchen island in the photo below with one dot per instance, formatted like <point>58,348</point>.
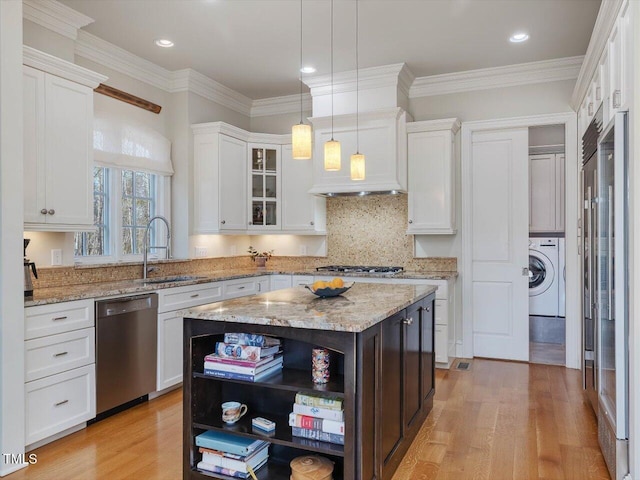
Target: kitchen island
<point>380,339</point>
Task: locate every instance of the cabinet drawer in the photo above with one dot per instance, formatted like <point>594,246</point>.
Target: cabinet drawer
<point>177,298</point>
<point>441,341</point>
<point>297,280</point>
<point>45,320</point>
<point>239,288</point>
<point>58,353</point>
<point>59,402</point>
<point>442,312</point>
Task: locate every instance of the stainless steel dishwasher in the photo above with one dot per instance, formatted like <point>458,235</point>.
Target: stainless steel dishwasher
<point>126,351</point>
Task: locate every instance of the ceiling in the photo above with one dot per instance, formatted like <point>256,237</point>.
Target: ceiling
<point>253,46</point>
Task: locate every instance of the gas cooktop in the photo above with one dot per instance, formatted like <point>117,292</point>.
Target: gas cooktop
<point>360,269</point>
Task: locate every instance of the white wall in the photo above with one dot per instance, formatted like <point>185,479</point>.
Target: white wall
<point>280,124</point>
<point>12,428</point>
<point>48,41</point>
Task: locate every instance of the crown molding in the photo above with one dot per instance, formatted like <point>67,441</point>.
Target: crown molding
<point>605,21</point>
<point>61,68</point>
<point>55,16</point>
<point>109,55</point>
<point>195,82</point>
<point>452,124</point>
<point>395,75</point>
<point>497,77</point>
<point>279,105</point>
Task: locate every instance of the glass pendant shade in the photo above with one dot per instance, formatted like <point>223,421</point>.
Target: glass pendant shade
<point>301,141</point>
<point>332,156</point>
<point>357,166</point>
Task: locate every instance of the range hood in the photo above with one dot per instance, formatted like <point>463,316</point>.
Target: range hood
<point>381,128</point>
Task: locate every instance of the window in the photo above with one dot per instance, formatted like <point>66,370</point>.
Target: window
<point>123,203</point>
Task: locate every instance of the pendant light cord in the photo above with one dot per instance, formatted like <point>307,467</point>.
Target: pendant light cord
<point>357,84</point>
<point>331,70</point>
<point>301,61</point>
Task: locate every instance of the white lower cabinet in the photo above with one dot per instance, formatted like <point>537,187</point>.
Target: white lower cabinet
<point>297,280</point>
<point>59,402</point>
<point>441,335</point>
<point>278,282</point>
<point>60,374</point>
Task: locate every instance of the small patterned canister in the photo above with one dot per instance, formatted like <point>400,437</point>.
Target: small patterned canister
<point>320,365</point>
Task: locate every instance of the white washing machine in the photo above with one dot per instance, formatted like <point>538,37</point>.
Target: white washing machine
<point>562,278</point>
<point>544,274</point>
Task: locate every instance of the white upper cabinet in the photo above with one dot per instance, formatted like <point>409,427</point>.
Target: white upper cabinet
<point>546,193</point>
<point>301,211</point>
<point>433,156</point>
<point>58,144</point>
<point>265,187</point>
<point>220,179</point>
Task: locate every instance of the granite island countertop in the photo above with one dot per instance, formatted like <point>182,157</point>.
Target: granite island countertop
<point>67,293</point>
<point>359,308</point>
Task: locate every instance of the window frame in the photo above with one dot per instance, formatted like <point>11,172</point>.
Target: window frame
<point>162,207</point>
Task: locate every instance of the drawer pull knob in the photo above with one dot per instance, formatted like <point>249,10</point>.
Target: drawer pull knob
<point>60,354</point>
<point>61,403</point>
<point>195,295</point>
<point>51,211</point>
<point>223,222</point>
<point>408,321</point>
<point>43,211</point>
<point>60,318</point>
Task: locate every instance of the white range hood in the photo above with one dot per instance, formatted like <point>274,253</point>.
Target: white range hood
<point>383,92</point>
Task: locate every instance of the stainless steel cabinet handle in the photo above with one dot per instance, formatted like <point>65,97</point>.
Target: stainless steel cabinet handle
<point>51,212</point>
<point>525,271</point>
<point>195,295</point>
<point>60,354</point>
<point>617,99</point>
<point>59,318</point>
<point>60,403</point>
<point>241,288</point>
<point>410,221</point>
<point>223,222</point>
<point>408,321</point>
<point>43,211</point>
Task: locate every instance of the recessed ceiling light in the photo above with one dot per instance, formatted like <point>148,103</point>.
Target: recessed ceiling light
<point>308,69</point>
<point>519,37</point>
<point>164,43</point>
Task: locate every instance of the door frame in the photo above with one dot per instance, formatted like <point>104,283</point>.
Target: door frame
<point>572,326</point>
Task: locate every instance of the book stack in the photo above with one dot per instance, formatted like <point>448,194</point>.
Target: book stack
<point>230,455</point>
<point>318,417</point>
<point>244,356</point>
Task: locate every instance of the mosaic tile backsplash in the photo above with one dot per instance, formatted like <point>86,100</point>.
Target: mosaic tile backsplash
<point>360,231</point>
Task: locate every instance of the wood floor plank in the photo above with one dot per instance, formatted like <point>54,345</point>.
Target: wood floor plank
<point>497,421</point>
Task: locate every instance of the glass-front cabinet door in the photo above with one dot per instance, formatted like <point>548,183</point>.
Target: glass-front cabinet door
<point>264,187</point>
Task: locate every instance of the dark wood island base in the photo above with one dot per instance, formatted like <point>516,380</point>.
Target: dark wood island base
<point>384,374</point>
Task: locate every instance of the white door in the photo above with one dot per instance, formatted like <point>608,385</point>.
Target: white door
<point>499,237</point>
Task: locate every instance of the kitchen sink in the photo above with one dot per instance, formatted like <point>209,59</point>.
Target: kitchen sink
<point>181,278</point>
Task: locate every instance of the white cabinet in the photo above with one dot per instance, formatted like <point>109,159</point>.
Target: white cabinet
<point>432,151</point>
<point>265,187</point>
<point>58,143</point>
<point>278,282</point>
<point>60,388</point>
<point>170,301</point>
<point>220,173</point>
<point>263,284</point>
<point>546,193</point>
<point>298,280</point>
<point>301,211</point>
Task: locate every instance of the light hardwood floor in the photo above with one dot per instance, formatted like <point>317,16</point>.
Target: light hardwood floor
<point>497,421</point>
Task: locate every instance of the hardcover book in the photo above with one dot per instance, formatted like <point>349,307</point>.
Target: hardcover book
<point>226,471</point>
<point>242,376</point>
<point>336,415</point>
<point>332,403</point>
<point>317,435</point>
<point>315,423</point>
<point>251,339</point>
<point>227,442</point>
<point>234,462</point>
<point>256,370</point>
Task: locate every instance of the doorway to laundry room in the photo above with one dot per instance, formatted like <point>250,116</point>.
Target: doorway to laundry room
<point>547,273</point>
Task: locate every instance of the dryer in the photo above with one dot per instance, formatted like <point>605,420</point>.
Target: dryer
<point>544,274</point>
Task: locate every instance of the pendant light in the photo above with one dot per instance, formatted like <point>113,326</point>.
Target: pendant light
<point>357,159</point>
<point>332,147</point>
<point>301,133</point>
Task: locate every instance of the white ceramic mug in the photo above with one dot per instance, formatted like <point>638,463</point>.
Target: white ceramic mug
<point>233,411</point>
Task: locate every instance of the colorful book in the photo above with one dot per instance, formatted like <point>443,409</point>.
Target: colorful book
<point>229,443</point>
<point>225,471</point>
<point>251,339</point>
<point>259,368</point>
<point>234,462</point>
<point>336,415</point>
<point>244,352</point>
<point>332,403</point>
<point>317,435</point>
<point>236,361</point>
<point>315,423</point>
<point>244,377</point>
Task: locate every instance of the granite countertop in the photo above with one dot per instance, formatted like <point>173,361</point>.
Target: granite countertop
<point>359,308</point>
<point>67,293</point>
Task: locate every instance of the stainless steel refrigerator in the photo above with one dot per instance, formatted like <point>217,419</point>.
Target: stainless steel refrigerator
<point>605,305</point>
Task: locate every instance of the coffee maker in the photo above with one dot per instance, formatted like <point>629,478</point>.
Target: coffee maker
<point>28,268</point>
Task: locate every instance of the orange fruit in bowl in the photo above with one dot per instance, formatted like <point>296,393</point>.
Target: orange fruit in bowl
<point>337,283</point>
<point>319,284</point>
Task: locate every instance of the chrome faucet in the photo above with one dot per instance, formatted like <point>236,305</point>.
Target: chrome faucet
<point>146,246</point>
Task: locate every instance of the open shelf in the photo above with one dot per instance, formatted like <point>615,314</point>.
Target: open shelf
<point>291,380</point>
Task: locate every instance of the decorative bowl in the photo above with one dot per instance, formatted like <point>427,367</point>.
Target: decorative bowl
<point>329,292</point>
